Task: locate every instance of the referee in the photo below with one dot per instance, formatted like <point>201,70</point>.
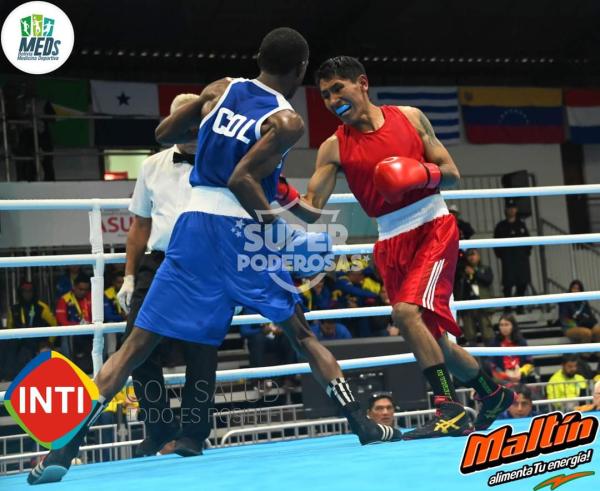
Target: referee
<point>161,191</point>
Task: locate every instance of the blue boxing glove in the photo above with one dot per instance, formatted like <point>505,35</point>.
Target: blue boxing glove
<point>305,253</point>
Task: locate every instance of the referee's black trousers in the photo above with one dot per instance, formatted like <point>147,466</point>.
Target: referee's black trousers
<point>201,365</point>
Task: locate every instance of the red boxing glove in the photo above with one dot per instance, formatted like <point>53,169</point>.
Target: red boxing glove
<point>286,193</point>
<point>395,176</point>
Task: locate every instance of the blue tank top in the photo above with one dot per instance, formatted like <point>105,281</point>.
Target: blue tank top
<point>229,131</point>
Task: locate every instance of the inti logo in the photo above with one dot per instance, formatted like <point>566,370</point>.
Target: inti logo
<point>37,37</point>
<point>51,398</point>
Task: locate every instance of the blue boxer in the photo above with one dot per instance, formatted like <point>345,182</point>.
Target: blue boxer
<point>211,262</point>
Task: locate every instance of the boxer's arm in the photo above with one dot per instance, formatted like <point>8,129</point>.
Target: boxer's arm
<point>321,183</point>
<point>175,128</point>
<point>434,150</point>
<point>280,133</point>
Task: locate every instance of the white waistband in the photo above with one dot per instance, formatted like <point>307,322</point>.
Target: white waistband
<point>411,216</point>
<point>216,201</point>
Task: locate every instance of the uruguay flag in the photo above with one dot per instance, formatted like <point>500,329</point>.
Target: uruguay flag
<point>583,114</point>
<point>440,105</point>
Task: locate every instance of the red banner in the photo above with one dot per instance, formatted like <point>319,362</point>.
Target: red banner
<point>168,92</point>
<point>321,123</point>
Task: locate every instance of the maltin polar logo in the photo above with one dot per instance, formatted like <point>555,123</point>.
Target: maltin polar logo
<point>51,398</point>
<point>37,37</point>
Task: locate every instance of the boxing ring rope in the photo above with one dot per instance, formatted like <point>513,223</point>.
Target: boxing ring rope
<point>336,199</point>
<point>376,361</point>
<point>116,258</point>
<point>98,259</point>
<point>119,327</point>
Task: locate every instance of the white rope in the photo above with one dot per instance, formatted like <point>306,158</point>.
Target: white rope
<point>116,327</point>
<point>378,361</point>
<point>106,204</point>
<point>349,249</point>
<point>58,260</point>
<point>62,204</point>
<point>494,193</point>
<point>382,361</point>
<point>98,259</point>
<point>83,329</point>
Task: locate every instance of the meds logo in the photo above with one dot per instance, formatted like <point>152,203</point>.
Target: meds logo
<point>37,37</point>
<point>51,398</point>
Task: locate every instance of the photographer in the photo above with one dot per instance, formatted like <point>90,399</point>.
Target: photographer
<point>473,282</point>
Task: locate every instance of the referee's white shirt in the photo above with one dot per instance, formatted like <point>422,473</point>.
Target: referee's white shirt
<point>161,192</point>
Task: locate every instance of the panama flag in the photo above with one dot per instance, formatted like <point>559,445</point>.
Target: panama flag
<point>583,114</point>
<point>440,105</point>
<point>139,101</point>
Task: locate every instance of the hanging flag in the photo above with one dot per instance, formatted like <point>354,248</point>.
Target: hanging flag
<point>168,92</point>
<point>583,114</point>
<point>440,105</point>
<point>66,98</point>
<point>321,122</point>
<point>512,114</point>
<point>125,99</point>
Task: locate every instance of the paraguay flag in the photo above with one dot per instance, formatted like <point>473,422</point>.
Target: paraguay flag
<point>512,114</point>
<point>440,105</point>
<point>583,114</point>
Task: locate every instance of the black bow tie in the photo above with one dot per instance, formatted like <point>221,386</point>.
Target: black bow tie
<point>178,158</point>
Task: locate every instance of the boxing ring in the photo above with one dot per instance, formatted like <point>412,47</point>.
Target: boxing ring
<point>319,463</point>
<point>327,463</point>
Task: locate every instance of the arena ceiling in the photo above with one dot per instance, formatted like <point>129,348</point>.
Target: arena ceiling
<point>541,42</point>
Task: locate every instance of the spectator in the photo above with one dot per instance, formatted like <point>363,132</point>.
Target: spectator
<point>510,368</point>
<point>263,339</point>
<point>566,383</point>
<point>113,312</point>
<point>29,311</point>
<point>363,289</point>
<point>473,282</point>
<point>127,400</point>
<point>523,405</point>
<point>329,329</point>
<point>383,326</point>
<point>318,297</point>
<point>577,320</point>
<point>64,283</point>
<point>515,260</point>
<point>358,290</point>
<point>75,307</point>
<point>465,230</point>
<point>595,405</point>
<point>381,409</point>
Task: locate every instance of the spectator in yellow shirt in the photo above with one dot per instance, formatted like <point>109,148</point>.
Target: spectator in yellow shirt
<point>566,383</point>
<point>595,405</point>
<point>127,400</point>
<point>28,312</point>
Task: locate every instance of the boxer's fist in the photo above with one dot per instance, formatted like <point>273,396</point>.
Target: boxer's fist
<point>395,176</point>
<point>286,193</point>
<point>311,252</point>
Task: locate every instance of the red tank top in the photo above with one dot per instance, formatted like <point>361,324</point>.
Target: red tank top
<point>361,152</point>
